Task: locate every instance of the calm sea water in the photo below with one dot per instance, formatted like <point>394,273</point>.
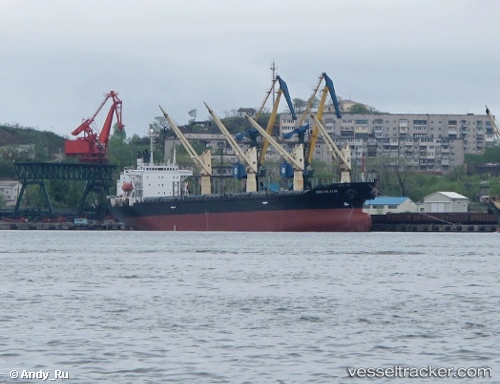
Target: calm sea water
<point>149,307</point>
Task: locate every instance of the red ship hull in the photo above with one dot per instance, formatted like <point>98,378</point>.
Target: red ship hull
<point>330,220</point>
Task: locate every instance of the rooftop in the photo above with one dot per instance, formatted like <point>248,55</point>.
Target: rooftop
<point>387,200</point>
<point>453,195</point>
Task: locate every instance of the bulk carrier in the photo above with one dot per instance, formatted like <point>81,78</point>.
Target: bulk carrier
<point>156,197</point>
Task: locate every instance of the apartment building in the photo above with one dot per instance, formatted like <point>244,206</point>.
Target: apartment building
<point>431,142</point>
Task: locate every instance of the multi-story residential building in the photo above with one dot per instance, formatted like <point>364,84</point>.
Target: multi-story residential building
<point>431,142</point>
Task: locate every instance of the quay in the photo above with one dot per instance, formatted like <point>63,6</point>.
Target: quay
<point>108,225</point>
<point>435,222</point>
<point>393,222</point>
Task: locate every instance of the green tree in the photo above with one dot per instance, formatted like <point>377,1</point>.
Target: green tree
<point>490,155</point>
<point>360,109</point>
<point>119,150</point>
<point>58,190</point>
<point>192,113</point>
<point>299,105</point>
<point>7,170</point>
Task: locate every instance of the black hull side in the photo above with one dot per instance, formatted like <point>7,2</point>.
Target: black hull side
<point>334,207</point>
<point>332,196</point>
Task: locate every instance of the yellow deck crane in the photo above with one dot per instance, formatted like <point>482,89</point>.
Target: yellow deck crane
<point>496,130</point>
<point>327,89</point>
<point>283,90</point>
<point>203,161</point>
<point>249,158</point>
<point>342,156</point>
<point>252,133</point>
<point>297,159</point>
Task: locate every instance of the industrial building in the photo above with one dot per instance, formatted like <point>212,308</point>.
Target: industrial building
<point>382,205</point>
<point>445,202</point>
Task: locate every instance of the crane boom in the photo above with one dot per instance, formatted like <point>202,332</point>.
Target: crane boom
<point>283,90</point>
<point>275,144</point>
<point>268,93</point>
<point>297,160</point>
<point>204,161</point>
<point>328,89</point>
<point>232,142</point>
<point>345,158</point>
<point>187,145</point>
<point>300,122</point>
<point>496,130</point>
<point>249,158</point>
<point>92,147</point>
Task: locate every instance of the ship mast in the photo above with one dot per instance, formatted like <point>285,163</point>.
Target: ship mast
<point>152,135</point>
<point>273,69</point>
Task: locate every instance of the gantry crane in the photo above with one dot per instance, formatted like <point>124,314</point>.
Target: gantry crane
<point>249,158</point>
<point>203,161</point>
<point>93,146</point>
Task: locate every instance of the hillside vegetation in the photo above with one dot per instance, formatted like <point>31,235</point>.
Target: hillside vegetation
<point>45,142</point>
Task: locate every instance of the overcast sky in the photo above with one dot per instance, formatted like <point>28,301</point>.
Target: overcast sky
<point>60,57</point>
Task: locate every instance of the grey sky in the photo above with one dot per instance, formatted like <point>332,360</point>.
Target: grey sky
<point>59,57</point>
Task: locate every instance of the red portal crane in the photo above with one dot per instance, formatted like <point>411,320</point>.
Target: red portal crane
<point>93,146</point>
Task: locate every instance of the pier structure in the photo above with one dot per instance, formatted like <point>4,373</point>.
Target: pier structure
<point>434,222</point>
<point>98,178</point>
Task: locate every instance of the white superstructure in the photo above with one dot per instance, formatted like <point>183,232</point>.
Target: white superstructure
<point>152,181</point>
<point>149,180</point>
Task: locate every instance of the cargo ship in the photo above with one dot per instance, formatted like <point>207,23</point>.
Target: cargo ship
<point>155,197</point>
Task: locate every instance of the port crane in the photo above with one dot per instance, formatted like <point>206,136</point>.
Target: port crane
<point>496,130</point>
<point>282,91</point>
<point>93,145</point>
<point>203,161</point>
<point>252,133</point>
<point>249,158</point>
<point>327,89</point>
<point>302,129</point>
<point>297,159</point>
<point>342,156</point>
